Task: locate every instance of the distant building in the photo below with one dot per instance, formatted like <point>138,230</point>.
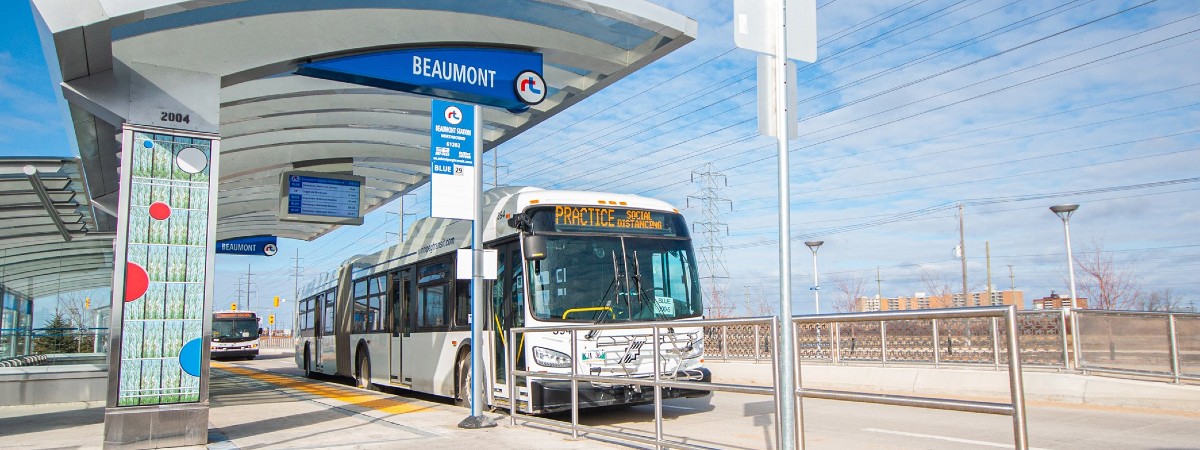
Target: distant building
<point>1055,301</point>
<point>920,300</point>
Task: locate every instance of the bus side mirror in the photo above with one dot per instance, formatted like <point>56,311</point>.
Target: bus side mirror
<point>534,247</point>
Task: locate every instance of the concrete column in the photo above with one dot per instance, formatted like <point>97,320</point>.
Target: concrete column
<point>164,249</point>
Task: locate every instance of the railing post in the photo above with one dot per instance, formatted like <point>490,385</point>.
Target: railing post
<point>937,346</point>
<point>836,356</point>
<point>1062,331</point>
<point>996,345</point>
<point>725,342</point>
<point>1075,339</point>
<point>658,419</point>
<point>574,386</point>
<point>883,341</point>
<point>1016,385</point>
<point>757,343</point>
<point>1174,348</point>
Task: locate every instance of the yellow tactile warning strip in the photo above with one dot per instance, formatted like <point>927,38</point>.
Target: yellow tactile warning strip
<point>352,397</point>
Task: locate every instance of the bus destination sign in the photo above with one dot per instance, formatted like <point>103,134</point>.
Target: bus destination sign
<point>612,219</point>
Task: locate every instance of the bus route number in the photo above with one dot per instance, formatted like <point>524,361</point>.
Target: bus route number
<point>176,117</point>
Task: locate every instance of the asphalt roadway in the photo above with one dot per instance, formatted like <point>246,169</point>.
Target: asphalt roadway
<point>266,404</point>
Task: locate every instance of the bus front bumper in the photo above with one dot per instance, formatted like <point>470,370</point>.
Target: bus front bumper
<point>555,395</point>
<point>233,352</point>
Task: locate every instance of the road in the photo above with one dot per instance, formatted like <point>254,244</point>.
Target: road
<point>742,421</point>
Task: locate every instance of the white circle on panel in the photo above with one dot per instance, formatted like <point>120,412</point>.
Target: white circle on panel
<point>191,160</point>
<point>454,115</point>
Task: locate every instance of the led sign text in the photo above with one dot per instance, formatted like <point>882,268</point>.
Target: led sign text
<point>585,216</point>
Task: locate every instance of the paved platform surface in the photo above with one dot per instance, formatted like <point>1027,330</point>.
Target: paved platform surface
<point>255,409</point>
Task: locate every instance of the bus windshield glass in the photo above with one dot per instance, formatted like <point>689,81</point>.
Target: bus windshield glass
<point>593,278</point>
<point>234,329</point>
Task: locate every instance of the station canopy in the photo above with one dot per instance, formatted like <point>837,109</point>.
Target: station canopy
<point>273,120</point>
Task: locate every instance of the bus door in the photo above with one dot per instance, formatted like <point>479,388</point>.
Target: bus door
<point>507,311</point>
<point>403,287</point>
<point>326,304</point>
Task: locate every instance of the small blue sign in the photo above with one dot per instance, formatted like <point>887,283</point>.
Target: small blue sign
<point>451,136</point>
<point>251,245</point>
<point>503,78</point>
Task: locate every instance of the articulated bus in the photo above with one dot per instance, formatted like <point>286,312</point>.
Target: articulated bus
<point>399,317</point>
<point>235,335</point>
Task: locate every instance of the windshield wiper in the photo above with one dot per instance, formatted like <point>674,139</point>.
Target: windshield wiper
<point>637,280</point>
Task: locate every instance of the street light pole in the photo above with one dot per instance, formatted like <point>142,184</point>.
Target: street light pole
<point>816,287</point>
<point>1064,212</point>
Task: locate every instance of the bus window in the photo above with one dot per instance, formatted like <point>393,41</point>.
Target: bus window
<point>431,308</point>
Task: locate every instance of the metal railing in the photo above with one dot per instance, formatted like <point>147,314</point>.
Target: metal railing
<point>1043,341</point>
<point>769,327</point>
<point>1153,344</point>
<point>657,382</point>
<point>1129,343</point>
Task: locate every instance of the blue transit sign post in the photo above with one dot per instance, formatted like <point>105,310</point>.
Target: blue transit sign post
<point>454,145</point>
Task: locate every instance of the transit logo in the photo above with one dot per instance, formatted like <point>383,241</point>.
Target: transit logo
<point>530,87</point>
<point>454,115</point>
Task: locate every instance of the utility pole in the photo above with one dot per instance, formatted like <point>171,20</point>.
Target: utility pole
<point>247,287</point>
<point>495,167</point>
<point>1012,280</point>
<point>879,286</point>
<point>962,251</point>
<point>987,248</point>
<point>712,253</point>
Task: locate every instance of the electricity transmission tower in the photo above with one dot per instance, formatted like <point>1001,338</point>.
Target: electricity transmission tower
<point>713,227</point>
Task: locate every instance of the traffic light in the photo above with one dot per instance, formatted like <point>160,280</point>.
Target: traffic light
<point>276,301</point>
<point>271,319</point>
<point>87,302</point>
<point>233,306</point>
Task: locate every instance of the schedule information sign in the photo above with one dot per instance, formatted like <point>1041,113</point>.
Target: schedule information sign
<point>313,197</point>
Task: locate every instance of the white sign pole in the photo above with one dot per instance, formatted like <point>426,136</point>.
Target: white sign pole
<point>791,419</point>
<point>477,313</point>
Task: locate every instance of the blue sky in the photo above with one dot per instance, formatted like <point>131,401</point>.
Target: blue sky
<point>911,108</point>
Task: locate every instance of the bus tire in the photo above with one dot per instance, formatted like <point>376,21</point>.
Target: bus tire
<point>308,373</point>
<point>462,386</point>
<point>363,374</point>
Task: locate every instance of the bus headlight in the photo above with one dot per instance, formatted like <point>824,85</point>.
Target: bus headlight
<point>694,349</point>
<point>550,358</point>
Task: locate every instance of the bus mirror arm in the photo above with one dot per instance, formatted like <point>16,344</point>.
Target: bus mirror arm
<point>520,222</point>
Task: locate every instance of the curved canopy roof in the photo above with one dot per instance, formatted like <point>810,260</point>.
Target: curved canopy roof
<point>48,238</point>
<point>272,120</point>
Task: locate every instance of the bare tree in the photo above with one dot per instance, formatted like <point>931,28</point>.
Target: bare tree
<point>1163,300</point>
<point>1106,285</point>
<point>74,308</point>
<point>757,304</point>
<point>849,288</point>
<point>937,286</point>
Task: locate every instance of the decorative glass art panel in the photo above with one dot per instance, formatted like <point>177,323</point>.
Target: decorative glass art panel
<point>166,253</point>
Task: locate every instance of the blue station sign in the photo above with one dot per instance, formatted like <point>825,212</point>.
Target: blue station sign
<point>250,245</point>
<point>507,79</point>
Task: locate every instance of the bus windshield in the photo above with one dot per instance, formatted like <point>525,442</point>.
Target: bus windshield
<point>615,278</point>
<point>234,329</point>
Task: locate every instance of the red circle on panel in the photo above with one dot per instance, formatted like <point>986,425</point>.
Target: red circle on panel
<point>160,211</point>
<point>136,281</point>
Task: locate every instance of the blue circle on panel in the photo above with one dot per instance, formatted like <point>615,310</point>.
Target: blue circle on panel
<point>189,357</point>
<point>147,144</point>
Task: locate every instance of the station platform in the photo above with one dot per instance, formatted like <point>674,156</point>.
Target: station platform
<point>252,408</point>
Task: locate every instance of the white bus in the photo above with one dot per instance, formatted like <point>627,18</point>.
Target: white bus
<point>235,334</point>
<point>400,317</point>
